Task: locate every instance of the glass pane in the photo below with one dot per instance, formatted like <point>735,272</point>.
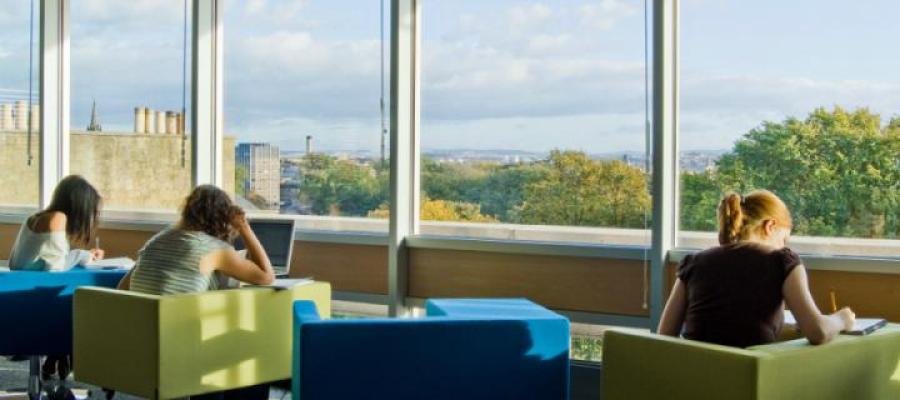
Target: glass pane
<point>130,96</point>
<point>534,121</point>
<point>808,107</point>
<point>306,85</point>
<point>19,107</point>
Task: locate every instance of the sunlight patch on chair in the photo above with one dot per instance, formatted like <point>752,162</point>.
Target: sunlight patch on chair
<point>896,376</point>
<point>247,311</point>
<point>242,374</point>
<point>214,319</point>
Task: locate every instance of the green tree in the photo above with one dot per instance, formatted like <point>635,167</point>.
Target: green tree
<point>503,192</point>
<point>340,187</point>
<point>241,175</point>
<point>453,182</point>
<point>700,193</point>
<point>838,172</point>
<point>579,191</point>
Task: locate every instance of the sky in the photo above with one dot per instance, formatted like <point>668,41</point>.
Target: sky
<point>500,74</point>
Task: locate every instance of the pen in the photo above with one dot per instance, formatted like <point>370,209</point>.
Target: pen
<point>833,301</point>
<point>97,242</point>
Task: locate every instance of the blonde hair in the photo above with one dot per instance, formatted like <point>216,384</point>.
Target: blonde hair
<point>739,215</point>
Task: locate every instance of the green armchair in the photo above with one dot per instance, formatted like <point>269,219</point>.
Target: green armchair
<point>641,365</point>
<point>164,347</point>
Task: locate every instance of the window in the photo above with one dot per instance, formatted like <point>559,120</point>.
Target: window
<point>130,74</point>
<point>808,107</point>
<point>19,107</point>
<point>534,121</point>
<point>305,105</point>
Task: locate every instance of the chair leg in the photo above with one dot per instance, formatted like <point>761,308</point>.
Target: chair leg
<point>34,377</point>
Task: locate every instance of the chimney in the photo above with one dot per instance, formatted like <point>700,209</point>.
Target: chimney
<point>160,122</point>
<point>139,120</point>
<point>35,118</point>
<point>149,120</point>
<point>6,118</point>
<point>171,123</point>
<point>21,115</point>
<point>309,144</point>
<point>180,123</point>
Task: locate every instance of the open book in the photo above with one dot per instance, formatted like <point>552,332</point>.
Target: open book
<point>865,326</point>
<point>111,263</point>
<point>862,326</point>
<point>286,283</point>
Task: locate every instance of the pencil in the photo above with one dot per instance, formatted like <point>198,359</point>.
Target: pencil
<point>833,301</point>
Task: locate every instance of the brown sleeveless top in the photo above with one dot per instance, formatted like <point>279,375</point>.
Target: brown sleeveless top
<point>734,293</point>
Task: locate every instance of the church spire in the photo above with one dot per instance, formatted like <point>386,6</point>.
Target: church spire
<point>95,120</point>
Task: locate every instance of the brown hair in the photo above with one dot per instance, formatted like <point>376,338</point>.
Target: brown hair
<point>740,215</point>
<point>209,209</point>
<point>79,201</point>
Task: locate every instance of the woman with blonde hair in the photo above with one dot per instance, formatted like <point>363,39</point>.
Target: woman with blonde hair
<point>735,293</point>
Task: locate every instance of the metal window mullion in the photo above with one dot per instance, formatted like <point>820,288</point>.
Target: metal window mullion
<point>206,92</point>
<point>54,96</point>
<point>665,157</point>
<point>404,218</point>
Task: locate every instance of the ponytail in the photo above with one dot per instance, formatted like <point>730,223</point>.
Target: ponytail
<point>739,216</point>
<point>731,218</point>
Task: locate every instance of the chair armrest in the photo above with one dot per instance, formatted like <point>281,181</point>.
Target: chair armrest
<point>115,340</point>
<point>857,367</point>
<point>642,365</point>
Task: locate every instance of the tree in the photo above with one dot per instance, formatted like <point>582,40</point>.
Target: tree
<point>503,191</point>
<point>241,176</point>
<point>453,182</point>
<point>340,187</point>
<point>838,171</point>
<point>441,210</point>
<point>579,191</point>
<point>700,195</point>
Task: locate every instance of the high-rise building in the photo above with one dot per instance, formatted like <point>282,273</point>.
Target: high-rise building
<point>262,178</point>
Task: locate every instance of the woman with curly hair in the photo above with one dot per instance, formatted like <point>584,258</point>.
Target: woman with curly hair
<point>184,257</point>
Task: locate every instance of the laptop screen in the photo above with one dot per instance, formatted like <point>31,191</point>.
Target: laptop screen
<point>277,237</point>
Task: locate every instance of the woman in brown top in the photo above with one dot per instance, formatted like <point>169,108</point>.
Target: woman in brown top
<point>735,294</point>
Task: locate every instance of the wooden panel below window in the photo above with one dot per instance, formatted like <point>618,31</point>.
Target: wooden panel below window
<point>563,283</point>
<point>868,294</point>
<point>348,267</point>
<point>8,234</point>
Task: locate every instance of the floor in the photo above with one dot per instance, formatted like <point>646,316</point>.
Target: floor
<point>585,380</point>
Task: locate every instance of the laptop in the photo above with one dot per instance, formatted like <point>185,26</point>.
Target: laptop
<point>277,237</point>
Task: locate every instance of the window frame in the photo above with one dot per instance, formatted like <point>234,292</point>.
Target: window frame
<point>405,25</point>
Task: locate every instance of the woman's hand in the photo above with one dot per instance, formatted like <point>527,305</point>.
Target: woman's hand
<point>848,318</point>
<point>97,254</point>
<point>239,219</point>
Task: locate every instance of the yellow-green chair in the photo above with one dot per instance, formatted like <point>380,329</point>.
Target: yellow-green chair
<point>639,365</point>
<point>164,347</point>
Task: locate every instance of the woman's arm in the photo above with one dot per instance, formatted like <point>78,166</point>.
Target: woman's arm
<point>673,314</point>
<point>817,328</point>
<point>256,269</point>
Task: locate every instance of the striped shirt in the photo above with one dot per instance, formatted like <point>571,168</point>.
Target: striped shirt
<point>170,263</point>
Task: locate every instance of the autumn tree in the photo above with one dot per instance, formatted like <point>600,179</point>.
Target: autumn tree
<point>580,191</point>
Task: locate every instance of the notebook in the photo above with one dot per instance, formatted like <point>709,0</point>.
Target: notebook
<point>865,326</point>
<point>111,263</point>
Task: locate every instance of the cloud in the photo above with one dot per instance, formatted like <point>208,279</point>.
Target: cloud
<point>605,14</point>
<point>530,15</point>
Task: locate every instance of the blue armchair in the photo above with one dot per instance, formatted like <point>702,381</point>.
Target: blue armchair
<point>463,349</point>
<point>36,311</point>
